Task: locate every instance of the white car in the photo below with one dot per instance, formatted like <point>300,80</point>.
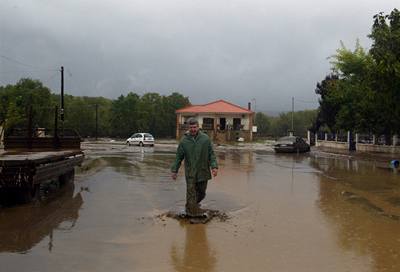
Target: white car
<point>140,139</point>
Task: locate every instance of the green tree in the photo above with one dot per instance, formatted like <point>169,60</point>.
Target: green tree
<point>353,91</point>
<point>363,93</point>
<point>150,113</point>
<point>118,118</point>
<point>328,105</point>
<point>124,115</point>
<point>170,104</point>
<point>80,114</point>
<point>263,123</point>
<point>385,51</point>
<point>15,101</point>
<point>302,121</point>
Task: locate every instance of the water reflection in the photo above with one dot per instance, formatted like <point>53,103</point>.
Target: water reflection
<point>141,164</point>
<point>353,197</point>
<point>366,176</point>
<point>197,254</point>
<point>290,160</point>
<point>23,227</point>
<point>237,159</point>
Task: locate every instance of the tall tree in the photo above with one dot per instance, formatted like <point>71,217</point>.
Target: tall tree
<point>124,115</point>
<point>15,101</point>
<point>120,117</point>
<point>328,106</point>
<point>385,51</point>
<point>171,104</point>
<point>363,94</point>
<point>263,123</point>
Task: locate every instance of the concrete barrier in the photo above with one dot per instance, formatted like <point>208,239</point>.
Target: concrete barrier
<point>372,147</point>
<point>378,148</point>
<point>332,144</point>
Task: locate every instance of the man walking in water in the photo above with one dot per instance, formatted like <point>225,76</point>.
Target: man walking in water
<point>196,149</point>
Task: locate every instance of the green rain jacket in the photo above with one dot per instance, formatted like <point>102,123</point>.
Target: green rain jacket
<point>198,155</point>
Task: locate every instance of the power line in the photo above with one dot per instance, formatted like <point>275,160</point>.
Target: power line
<point>24,64</point>
<point>43,77</point>
<point>52,76</point>
<point>16,61</point>
<point>28,71</point>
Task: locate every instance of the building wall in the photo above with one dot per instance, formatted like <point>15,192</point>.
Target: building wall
<point>245,118</point>
<point>219,135</point>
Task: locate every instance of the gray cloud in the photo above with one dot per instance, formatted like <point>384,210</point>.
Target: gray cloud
<point>207,50</point>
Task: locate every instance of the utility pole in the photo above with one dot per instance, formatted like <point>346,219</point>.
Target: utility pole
<point>255,110</point>
<point>62,99</point>
<point>97,119</point>
<point>292,110</point>
<point>291,133</point>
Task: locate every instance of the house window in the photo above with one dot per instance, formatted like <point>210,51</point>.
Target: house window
<point>208,123</point>
<point>237,123</point>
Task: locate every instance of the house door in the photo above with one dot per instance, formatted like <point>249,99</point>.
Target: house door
<point>237,123</point>
<point>222,123</point>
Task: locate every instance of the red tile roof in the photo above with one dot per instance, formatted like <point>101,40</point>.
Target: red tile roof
<point>219,106</point>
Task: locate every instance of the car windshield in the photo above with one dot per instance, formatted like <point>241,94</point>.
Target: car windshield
<point>148,135</point>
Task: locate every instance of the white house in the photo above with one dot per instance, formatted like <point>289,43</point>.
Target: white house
<point>221,120</point>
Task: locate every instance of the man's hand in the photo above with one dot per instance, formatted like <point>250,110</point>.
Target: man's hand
<point>214,172</point>
<point>173,175</point>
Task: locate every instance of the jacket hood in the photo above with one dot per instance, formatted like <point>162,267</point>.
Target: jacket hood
<point>187,133</point>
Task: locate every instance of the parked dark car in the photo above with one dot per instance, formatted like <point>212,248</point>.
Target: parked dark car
<point>291,144</point>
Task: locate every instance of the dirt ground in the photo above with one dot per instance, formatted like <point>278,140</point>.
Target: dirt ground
<point>312,212</point>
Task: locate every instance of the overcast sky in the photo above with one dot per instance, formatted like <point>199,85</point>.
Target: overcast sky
<point>240,51</point>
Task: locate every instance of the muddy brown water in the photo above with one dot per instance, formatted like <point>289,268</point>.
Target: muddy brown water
<point>286,213</point>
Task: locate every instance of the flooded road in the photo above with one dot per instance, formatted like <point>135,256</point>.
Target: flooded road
<point>286,213</point>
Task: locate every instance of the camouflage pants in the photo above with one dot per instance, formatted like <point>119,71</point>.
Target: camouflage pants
<point>195,192</point>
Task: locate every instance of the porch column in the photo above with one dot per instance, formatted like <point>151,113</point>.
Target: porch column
<point>309,137</point>
<point>348,139</point>
<point>326,136</point>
